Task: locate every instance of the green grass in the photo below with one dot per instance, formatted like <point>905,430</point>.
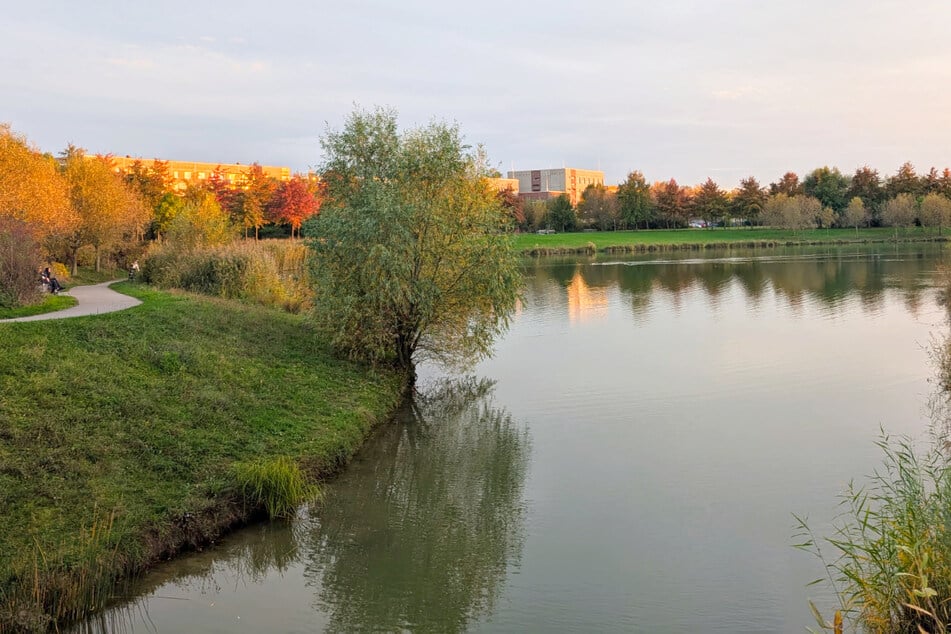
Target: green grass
<point>88,275</point>
<point>49,304</point>
<point>138,418</point>
<point>277,484</point>
<point>660,239</point>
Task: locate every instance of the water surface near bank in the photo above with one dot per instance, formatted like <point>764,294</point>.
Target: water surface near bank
<point>628,461</point>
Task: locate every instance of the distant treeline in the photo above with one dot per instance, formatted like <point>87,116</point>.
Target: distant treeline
<point>825,197</point>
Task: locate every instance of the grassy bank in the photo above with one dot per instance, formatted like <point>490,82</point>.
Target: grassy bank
<point>120,435</point>
<point>48,304</point>
<point>660,240</point>
<point>52,303</point>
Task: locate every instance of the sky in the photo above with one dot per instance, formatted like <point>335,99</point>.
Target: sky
<point>675,89</point>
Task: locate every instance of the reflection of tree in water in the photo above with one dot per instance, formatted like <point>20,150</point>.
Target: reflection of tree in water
<point>419,533</point>
<point>829,277</point>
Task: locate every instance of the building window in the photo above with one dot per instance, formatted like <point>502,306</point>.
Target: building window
<point>201,176</point>
<point>175,174</point>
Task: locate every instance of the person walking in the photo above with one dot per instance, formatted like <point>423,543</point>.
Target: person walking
<point>133,270</point>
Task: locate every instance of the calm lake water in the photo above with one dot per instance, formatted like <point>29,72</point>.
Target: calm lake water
<point>629,460</point>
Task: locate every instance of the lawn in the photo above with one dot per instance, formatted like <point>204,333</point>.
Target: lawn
<point>695,238</point>
<point>48,304</point>
<point>118,433</point>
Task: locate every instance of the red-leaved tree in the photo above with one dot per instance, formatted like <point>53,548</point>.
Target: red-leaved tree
<point>293,202</point>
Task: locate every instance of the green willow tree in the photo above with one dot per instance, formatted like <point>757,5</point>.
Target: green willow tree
<point>413,255</point>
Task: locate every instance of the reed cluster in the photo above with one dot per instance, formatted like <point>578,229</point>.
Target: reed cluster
<point>275,484</point>
<point>890,558</point>
<point>65,583</point>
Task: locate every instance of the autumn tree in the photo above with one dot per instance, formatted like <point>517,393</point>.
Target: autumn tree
<point>855,214</point>
<point>789,184</point>
<point>944,183</point>
<point>412,253</point>
<point>598,208</point>
<point>514,205</point>
<point>250,204</point>
<point>931,182</point>
<point>634,201</point>
<point>935,211</point>
<point>199,222</point>
<point>32,189</point>
<point>152,182</point>
<point>293,202</point>
<point>792,212</point>
<point>108,210</point>
<point>905,181</point>
<point>671,202</point>
<point>711,203</point>
<point>221,187</point>
<point>749,200</point>
<point>900,211</point>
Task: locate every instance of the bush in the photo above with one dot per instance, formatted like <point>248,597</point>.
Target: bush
<point>19,264</point>
<point>272,273</point>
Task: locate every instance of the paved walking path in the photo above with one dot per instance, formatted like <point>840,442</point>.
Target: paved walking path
<point>93,300</point>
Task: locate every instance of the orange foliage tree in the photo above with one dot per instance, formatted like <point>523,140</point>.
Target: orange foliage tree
<point>31,188</point>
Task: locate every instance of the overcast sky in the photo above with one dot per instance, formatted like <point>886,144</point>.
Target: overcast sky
<point>676,89</point>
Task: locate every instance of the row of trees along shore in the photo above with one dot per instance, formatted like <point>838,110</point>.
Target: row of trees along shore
<point>75,208</point>
<point>824,198</point>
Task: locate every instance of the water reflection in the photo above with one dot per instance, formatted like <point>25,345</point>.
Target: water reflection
<point>423,534</point>
<point>418,534</point>
<point>827,278</point>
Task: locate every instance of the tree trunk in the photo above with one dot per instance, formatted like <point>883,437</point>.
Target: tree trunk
<point>98,257</point>
<point>75,258</point>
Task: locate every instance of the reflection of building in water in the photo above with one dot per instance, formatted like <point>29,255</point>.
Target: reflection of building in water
<point>585,303</point>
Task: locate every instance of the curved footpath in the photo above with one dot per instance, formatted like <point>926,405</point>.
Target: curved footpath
<point>92,300</point>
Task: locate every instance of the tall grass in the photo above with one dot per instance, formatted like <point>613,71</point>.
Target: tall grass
<point>889,558</point>
<point>65,583</point>
<point>276,484</point>
<point>271,273</point>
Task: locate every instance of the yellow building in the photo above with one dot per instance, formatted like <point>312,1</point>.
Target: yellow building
<point>501,184</point>
<point>184,173</point>
<point>551,183</point>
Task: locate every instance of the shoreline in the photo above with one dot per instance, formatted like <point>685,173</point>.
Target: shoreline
<point>127,461</point>
<point>660,240</point>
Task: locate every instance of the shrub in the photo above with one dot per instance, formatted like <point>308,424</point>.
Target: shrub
<point>278,485</point>
<point>19,264</point>
<point>272,273</point>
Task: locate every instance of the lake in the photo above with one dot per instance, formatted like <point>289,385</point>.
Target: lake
<point>628,461</point>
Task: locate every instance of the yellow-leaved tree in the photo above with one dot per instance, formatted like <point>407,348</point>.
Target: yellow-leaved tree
<point>32,190</point>
<point>108,210</point>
